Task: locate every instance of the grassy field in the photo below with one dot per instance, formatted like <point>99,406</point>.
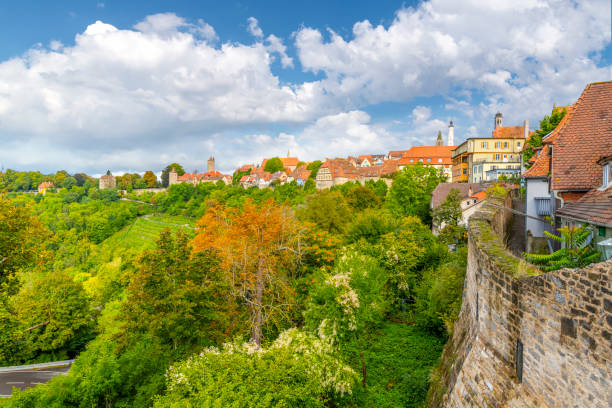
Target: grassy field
<point>143,232</point>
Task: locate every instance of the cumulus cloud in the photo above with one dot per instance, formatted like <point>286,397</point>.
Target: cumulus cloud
<point>153,86</point>
<point>169,89</point>
<point>524,56</point>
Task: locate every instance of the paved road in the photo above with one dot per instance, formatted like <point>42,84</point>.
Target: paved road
<point>27,378</point>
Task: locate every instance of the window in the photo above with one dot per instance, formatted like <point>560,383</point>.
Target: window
<point>496,156</point>
<point>607,174</point>
<point>411,160</point>
<point>497,145</point>
<point>464,172</point>
<point>505,145</point>
<point>429,160</point>
<point>420,160</point>
<point>518,144</point>
<point>602,231</point>
<point>484,145</point>
<point>439,160</point>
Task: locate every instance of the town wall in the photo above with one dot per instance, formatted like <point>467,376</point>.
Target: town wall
<point>525,338</point>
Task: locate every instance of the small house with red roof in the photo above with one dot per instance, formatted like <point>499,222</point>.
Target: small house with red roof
<point>44,186</point>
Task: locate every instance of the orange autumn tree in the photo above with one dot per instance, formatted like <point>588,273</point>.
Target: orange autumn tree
<point>260,246</point>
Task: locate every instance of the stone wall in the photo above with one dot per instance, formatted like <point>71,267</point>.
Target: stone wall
<point>526,338</point>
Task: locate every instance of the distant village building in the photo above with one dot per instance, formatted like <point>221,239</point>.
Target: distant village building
<point>472,196</point>
<point>196,178</point>
<point>480,159</point>
<point>44,186</point>
<point>107,181</point>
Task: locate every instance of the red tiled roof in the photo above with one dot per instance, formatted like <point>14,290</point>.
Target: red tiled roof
<point>509,132</point>
<point>541,164</point>
<point>481,195</point>
<point>46,184</point>
<point>443,189</point>
<point>594,207</point>
<point>389,167</point>
<point>434,153</point>
<point>246,167</point>
<point>586,137</point>
<point>289,161</point>
<point>541,161</point>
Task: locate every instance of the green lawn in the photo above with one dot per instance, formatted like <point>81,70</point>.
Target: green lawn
<point>143,232</point>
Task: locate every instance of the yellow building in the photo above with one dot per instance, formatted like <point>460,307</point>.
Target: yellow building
<point>481,159</point>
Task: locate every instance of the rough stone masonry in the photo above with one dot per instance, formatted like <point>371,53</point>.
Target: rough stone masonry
<point>525,338</point>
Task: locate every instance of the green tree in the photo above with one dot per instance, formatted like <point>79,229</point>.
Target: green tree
<point>59,177</point>
<point>314,168</point>
<point>81,178</point>
<point>411,191</point>
<point>574,254</point>
<point>547,125</point>
<point>53,314</point>
<point>174,296</point>
<point>296,370</point>
<point>69,182</point>
<point>273,165</point>
<point>164,176</point>
<point>328,210</point>
<point>361,197</point>
<point>21,239</point>
<point>447,218</point>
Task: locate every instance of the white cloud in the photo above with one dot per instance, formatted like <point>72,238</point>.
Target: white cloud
<point>253,28</point>
<point>169,90</point>
<point>524,56</point>
<point>421,113</point>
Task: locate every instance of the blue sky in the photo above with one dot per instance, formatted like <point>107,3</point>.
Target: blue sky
<point>132,86</point>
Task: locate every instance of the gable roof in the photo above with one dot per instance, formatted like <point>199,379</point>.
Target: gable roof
<point>586,136</point>
<point>542,159</point>
<point>595,207</point>
<point>509,132</point>
<point>443,189</point>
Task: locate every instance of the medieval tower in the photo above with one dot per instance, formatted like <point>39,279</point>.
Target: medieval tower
<point>498,119</point>
<point>439,141</point>
<point>172,177</point>
<point>451,134</point>
<point>211,164</point>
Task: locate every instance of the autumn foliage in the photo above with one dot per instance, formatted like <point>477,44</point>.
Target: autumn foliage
<point>260,246</point>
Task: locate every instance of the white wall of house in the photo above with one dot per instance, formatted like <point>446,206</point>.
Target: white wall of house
<point>535,188</point>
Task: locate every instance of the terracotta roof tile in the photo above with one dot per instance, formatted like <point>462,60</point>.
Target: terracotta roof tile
<point>586,137</point>
<point>443,189</point>
<point>594,207</point>
<point>434,153</point>
<point>509,132</point>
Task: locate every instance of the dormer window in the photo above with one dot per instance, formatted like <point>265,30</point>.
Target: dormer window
<point>607,175</point>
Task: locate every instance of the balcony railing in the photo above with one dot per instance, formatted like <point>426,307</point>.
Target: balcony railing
<point>543,205</point>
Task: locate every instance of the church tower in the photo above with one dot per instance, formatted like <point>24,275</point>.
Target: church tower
<point>211,164</point>
<point>498,119</point>
<point>451,134</point>
<point>439,141</point>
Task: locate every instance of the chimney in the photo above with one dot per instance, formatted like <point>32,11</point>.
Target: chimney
<point>526,129</point>
<point>470,190</point>
<point>451,134</point>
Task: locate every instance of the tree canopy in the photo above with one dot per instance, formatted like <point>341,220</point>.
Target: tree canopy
<point>273,165</point>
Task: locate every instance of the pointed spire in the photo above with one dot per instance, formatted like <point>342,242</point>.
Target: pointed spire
<point>439,141</point>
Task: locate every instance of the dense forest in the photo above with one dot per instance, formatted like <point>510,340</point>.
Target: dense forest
<point>213,295</point>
